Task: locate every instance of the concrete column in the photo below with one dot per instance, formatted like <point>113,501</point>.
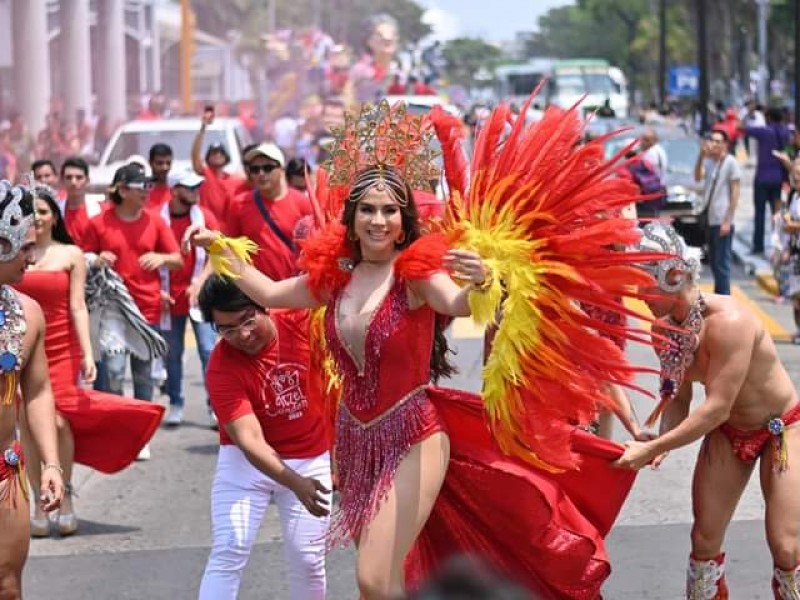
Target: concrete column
<point>112,92</point>
<point>77,58</point>
<point>31,61</point>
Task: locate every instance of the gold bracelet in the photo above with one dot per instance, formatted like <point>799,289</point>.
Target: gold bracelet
<point>53,466</point>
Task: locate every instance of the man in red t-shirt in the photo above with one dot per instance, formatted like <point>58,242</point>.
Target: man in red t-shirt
<point>181,287</point>
<point>160,165</point>
<point>269,213</point>
<point>219,187</point>
<point>273,444</point>
<point>136,244</point>
<point>75,208</point>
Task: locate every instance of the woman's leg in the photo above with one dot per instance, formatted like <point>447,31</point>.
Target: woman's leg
<point>40,525</point>
<point>386,540</point>
<point>66,453</point>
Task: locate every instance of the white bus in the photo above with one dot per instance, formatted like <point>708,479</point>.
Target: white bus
<point>567,82</point>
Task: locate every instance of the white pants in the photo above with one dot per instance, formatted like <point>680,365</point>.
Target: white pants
<point>239,499</point>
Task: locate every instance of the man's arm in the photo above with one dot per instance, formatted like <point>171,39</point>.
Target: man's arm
<point>677,410</point>
<point>246,433</point>
<point>699,165</point>
<point>197,145</point>
<point>734,193</point>
<point>729,339</point>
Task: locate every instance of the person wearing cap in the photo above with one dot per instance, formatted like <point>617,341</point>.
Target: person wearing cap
<point>136,244</point>
<point>181,287</point>
<point>219,186</point>
<point>269,214</point>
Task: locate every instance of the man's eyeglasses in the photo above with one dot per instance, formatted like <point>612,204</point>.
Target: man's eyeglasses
<point>267,169</point>
<point>145,186</point>
<point>246,326</point>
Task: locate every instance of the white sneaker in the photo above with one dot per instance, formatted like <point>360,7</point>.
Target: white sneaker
<point>174,416</point>
<point>144,453</point>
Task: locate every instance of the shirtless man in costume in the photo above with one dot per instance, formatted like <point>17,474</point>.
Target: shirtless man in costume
<point>23,363</point>
<point>750,412</point>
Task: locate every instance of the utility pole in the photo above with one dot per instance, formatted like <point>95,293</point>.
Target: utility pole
<point>796,63</point>
<point>702,64</point>
<point>662,52</point>
<point>763,72</point>
<point>186,54</point>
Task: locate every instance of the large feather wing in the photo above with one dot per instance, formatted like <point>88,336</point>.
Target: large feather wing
<point>540,210</point>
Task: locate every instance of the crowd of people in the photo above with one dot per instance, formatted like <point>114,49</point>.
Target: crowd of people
<point>319,303</point>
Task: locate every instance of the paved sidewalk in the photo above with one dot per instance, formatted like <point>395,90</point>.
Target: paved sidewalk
<point>758,266</point>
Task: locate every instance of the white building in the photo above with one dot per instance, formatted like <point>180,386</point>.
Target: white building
<point>103,56</point>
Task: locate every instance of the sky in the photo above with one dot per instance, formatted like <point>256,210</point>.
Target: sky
<point>495,21</point>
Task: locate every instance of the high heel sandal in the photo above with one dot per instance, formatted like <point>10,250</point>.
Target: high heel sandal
<point>68,523</point>
<point>40,527</point>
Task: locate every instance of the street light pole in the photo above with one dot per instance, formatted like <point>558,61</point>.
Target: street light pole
<point>662,52</point>
<point>702,64</point>
<point>796,63</point>
<point>186,52</point>
<point>763,74</point>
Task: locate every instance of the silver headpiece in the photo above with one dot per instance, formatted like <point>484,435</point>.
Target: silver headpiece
<point>14,224</point>
<point>660,237</point>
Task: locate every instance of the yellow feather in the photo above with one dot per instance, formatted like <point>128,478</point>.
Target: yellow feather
<point>224,249</point>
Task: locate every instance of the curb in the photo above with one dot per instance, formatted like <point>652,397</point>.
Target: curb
<point>756,266</point>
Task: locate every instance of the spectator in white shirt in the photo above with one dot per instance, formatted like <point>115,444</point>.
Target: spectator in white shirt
<point>654,152</point>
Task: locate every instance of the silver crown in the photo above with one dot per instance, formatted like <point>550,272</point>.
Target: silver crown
<point>14,225</point>
<point>660,237</point>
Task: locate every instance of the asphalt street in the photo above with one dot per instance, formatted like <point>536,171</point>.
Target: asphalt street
<point>145,533</point>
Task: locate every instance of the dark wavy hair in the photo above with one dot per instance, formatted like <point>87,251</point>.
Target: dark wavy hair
<point>46,193</point>
<point>399,189</point>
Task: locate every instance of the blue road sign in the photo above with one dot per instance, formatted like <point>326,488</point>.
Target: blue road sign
<point>684,80</point>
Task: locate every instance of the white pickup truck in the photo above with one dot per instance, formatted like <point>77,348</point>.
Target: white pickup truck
<point>132,141</point>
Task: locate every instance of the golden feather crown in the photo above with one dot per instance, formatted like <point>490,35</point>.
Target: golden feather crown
<point>383,136</point>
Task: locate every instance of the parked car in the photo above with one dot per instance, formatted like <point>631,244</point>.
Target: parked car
<point>132,141</point>
<point>685,202</point>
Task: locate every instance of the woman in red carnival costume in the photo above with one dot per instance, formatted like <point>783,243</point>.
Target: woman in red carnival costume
<point>425,472</point>
<point>99,430</point>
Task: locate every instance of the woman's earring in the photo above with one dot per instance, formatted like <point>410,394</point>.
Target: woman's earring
<point>351,235</point>
<point>401,239</point>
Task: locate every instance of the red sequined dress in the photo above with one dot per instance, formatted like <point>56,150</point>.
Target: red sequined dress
<point>544,530</point>
<point>109,430</point>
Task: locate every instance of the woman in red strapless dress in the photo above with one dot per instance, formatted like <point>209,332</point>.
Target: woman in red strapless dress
<point>99,430</point>
<point>420,476</point>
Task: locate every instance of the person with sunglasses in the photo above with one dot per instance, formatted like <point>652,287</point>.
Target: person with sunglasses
<point>272,442</point>
<point>269,212</point>
<point>136,243</point>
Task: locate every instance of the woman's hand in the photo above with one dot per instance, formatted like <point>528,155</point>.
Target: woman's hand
<point>88,369</point>
<point>197,236</point>
<point>466,266</point>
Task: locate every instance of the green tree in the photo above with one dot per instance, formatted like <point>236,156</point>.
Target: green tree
<point>465,57</point>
